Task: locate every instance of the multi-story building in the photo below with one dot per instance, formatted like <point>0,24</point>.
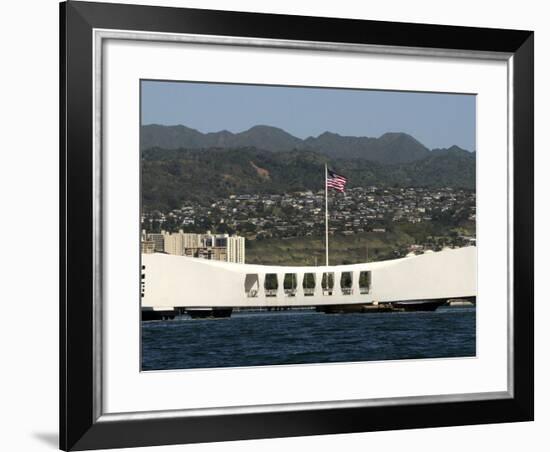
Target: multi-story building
<point>235,249</point>
<point>147,247</point>
<point>210,240</point>
<point>220,247</point>
<point>173,243</point>
<point>158,240</point>
<point>178,242</point>
<point>218,253</point>
<point>191,240</point>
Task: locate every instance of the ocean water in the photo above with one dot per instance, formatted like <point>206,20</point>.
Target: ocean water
<point>300,337</point>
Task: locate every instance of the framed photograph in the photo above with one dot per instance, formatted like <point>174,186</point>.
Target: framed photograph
<point>283,225</point>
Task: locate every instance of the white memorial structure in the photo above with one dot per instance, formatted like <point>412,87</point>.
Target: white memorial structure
<point>209,288</point>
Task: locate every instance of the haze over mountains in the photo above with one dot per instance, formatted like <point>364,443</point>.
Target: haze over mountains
<point>390,148</point>
<point>181,164</point>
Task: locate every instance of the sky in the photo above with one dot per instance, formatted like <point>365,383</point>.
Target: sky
<point>437,120</point>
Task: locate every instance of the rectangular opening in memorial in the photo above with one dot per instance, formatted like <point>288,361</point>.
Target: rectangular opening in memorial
<point>327,283</point>
<point>271,285</point>
<point>309,284</point>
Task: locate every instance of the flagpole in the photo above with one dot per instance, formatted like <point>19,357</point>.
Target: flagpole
<point>326,214</point>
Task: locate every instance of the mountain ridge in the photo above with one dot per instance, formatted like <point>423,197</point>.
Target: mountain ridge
<point>389,148</point>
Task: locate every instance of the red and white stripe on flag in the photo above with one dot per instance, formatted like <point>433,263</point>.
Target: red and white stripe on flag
<point>336,181</point>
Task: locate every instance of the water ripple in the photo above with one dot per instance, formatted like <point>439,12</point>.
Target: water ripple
<point>300,337</point>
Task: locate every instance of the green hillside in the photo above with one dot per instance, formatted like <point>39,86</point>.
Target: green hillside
<point>171,177</point>
<point>352,249</point>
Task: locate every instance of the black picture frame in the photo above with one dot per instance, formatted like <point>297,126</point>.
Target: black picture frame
<point>80,425</point>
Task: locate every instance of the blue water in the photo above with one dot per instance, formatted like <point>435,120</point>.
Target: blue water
<point>299,337</point>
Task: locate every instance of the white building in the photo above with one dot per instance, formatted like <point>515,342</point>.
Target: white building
<point>191,240</point>
<point>177,242</point>
<point>235,250</point>
<point>215,246</point>
<point>173,243</point>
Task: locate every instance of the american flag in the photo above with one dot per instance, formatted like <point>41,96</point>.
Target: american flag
<point>336,181</point>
